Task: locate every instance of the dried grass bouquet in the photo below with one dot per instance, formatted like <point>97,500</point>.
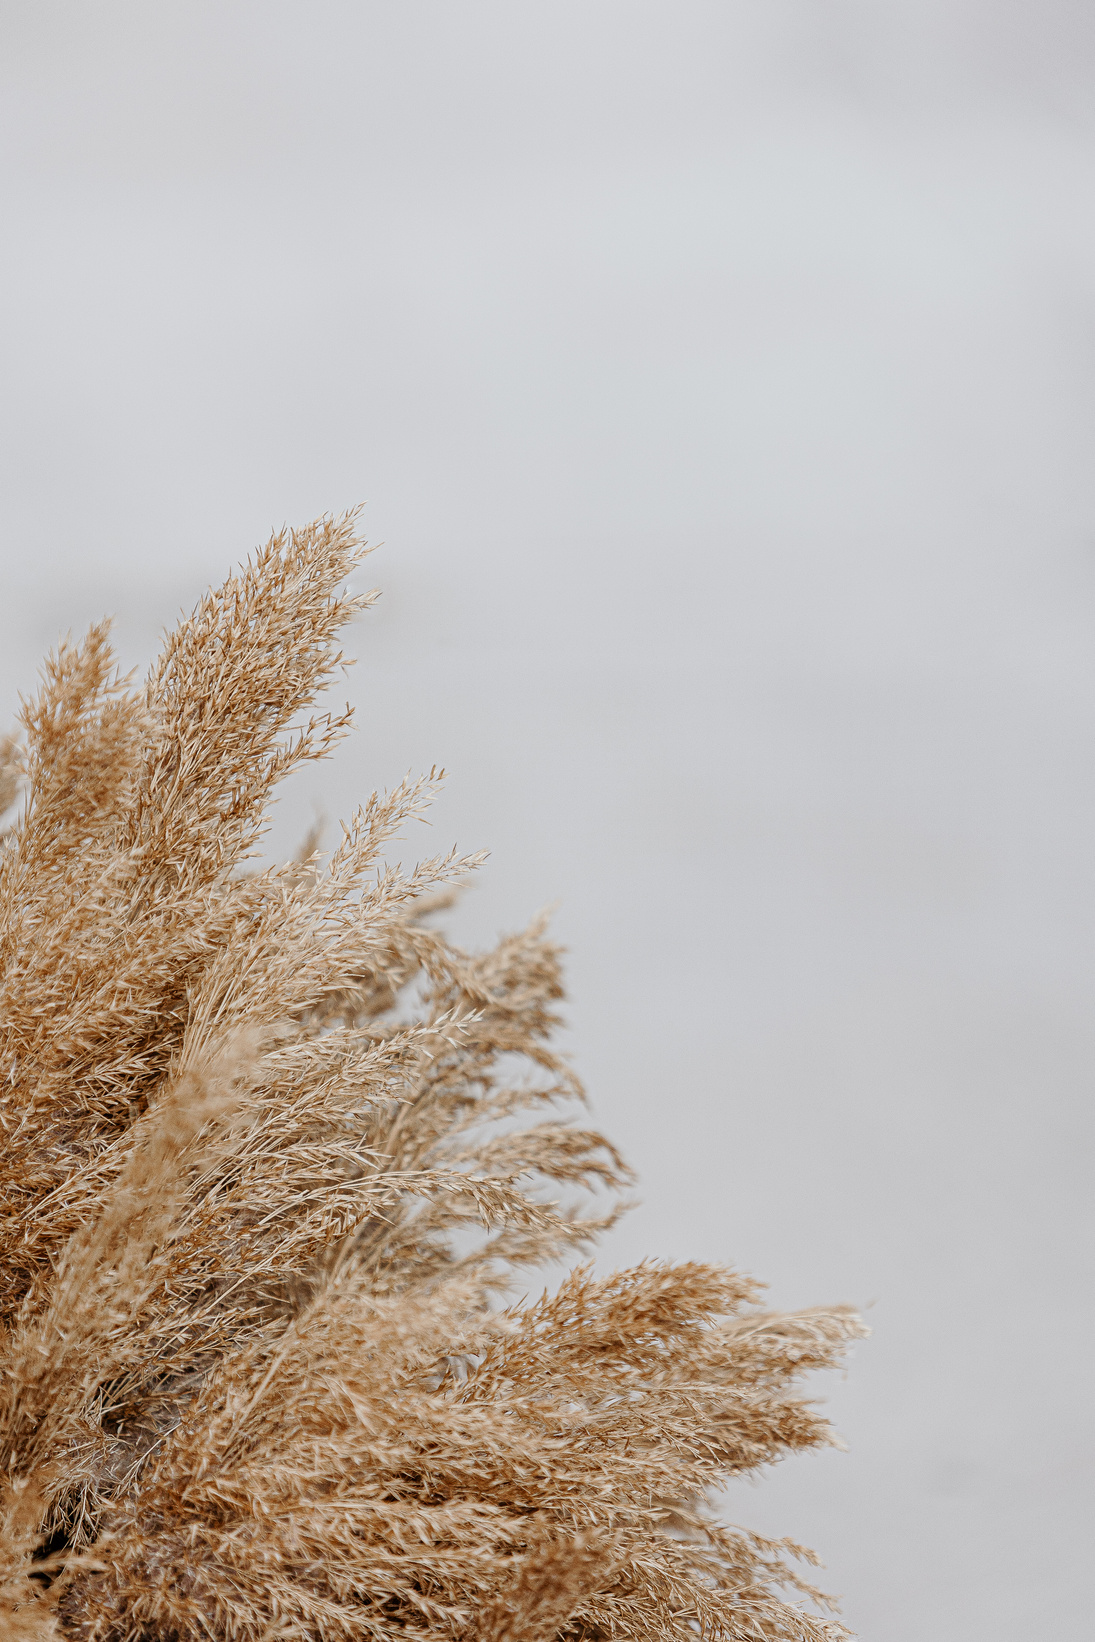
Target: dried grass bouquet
<point>275,1154</point>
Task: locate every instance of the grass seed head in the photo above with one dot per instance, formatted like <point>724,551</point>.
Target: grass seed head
<point>269,1169</point>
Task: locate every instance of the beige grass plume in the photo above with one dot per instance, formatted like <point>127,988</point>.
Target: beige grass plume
<point>268,1173</point>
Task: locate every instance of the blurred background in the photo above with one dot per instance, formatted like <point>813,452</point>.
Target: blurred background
<point>721,382</point>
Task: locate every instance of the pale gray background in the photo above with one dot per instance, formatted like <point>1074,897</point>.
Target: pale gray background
<point>722,380</point>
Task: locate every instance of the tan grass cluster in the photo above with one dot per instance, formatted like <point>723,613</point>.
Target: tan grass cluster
<point>273,1153</point>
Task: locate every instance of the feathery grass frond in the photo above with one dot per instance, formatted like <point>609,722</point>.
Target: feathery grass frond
<point>269,1168</point>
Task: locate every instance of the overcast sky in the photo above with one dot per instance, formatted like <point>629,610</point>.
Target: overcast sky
<point>721,382</point>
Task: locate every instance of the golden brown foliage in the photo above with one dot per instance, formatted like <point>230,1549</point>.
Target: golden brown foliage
<point>268,1170</point>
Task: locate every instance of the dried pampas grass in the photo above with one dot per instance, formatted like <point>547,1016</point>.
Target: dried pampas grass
<point>268,1175</point>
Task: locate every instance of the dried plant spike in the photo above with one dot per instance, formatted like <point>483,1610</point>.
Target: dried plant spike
<point>272,1174</point>
<point>11,770</point>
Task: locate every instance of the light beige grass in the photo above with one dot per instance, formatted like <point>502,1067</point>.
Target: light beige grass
<point>268,1178</point>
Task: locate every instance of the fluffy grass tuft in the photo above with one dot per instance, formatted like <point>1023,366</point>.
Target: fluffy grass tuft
<point>270,1175</point>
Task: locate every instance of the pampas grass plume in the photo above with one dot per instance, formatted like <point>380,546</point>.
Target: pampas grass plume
<point>271,1175</point>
